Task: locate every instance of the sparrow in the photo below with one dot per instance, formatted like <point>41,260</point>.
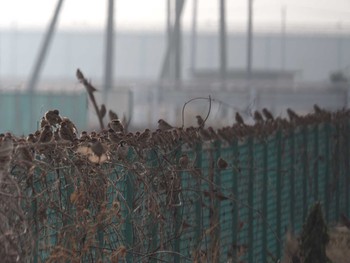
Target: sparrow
<point>222,164</point>
<point>144,137</point>
<point>112,115</point>
<point>292,115</point>
<point>66,133</point>
<point>113,136</point>
<point>70,125</point>
<point>267,114</point>
<point>6,149</point>
<point>98,152</point>
<point>90,89</point>
<point>239,119</point>
<point>116,125</point>
<point>24,154</point>
<point>122,150</point>
<point>163,125</point>
<point>53,117</point>
<point>200,121</point>
<point>31,138</point>
<point>317,109</point>
<point>43,122</point>
<point>258,117</point>
<point>46,134</point>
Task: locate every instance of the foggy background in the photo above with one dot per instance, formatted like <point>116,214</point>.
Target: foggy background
<point>297,54</point>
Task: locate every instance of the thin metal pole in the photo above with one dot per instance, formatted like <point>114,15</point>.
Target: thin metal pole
<point>44,48</point>
<point>178,40</point>
<point>194,36</point>
<point>109,53</point>
<point>250,41</point>
<point>223,50</point>
<point>283,38</point>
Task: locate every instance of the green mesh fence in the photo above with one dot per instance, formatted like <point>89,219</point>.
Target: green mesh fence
<point>152,209</point>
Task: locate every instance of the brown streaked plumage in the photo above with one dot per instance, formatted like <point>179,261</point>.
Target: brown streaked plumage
<point>53,117</point>
<point>268,115</point>
<point>116,125</point>
<point>46,134</point>
<point>239,119</point>
<point>163,125</point>
<point>200,121</point>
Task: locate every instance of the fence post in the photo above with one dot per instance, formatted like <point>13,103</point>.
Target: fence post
<point>251,198</point>
<point>292,178</point>
<point>178,216</point>
<point>327,160</point>
<point>129,195</point>
<point>337,174</point>
<point>278,192</point>
<point>216,212</point>
<point>305,171</point>
<point>315,160</point>
<point>234,186</point>
<point>264,199</point>
<point>198,204</point>
<point>346,146</point>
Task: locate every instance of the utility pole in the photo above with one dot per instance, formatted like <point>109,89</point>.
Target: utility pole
<point>194,36</point>
<point>44,48</point>
<point>178,39</point>
<point>223,51</point>
<point>109,52</point>
<point>250,41</point>
<point>283,38</point>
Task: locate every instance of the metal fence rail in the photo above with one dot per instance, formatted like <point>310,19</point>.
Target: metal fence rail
<point>151,207</point>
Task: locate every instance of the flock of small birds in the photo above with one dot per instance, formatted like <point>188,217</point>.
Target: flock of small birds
<point>58,133</point>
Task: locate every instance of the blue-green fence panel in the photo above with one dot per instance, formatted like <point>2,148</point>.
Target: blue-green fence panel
<point>20,112</point>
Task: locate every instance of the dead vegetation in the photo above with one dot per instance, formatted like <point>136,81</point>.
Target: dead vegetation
<point>114,195</point>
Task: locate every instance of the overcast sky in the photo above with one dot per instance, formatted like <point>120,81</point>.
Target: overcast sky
<point>142,14</point>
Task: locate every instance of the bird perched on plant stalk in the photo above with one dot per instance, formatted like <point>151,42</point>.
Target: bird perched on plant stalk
<point>200,121</point>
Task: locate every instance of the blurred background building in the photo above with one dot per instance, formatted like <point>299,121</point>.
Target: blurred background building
<point>148,59</point>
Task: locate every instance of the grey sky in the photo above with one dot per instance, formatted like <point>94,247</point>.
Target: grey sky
<point>141,14</point>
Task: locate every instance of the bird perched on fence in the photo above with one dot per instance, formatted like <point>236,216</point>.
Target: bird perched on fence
<point>6,149</point>
<point>53,117</point>
<point>239,119</point>
<point>46,134</point>
<point>258,117</point>
<point>292,115</point>
<point>221,163</point>
<point>66,132</point>
<point>163,125</point>
<point>98,152</point>
<point>317,109</point>
<point>112,115</point>
<point>268,115</point>
<point>116,125</point>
